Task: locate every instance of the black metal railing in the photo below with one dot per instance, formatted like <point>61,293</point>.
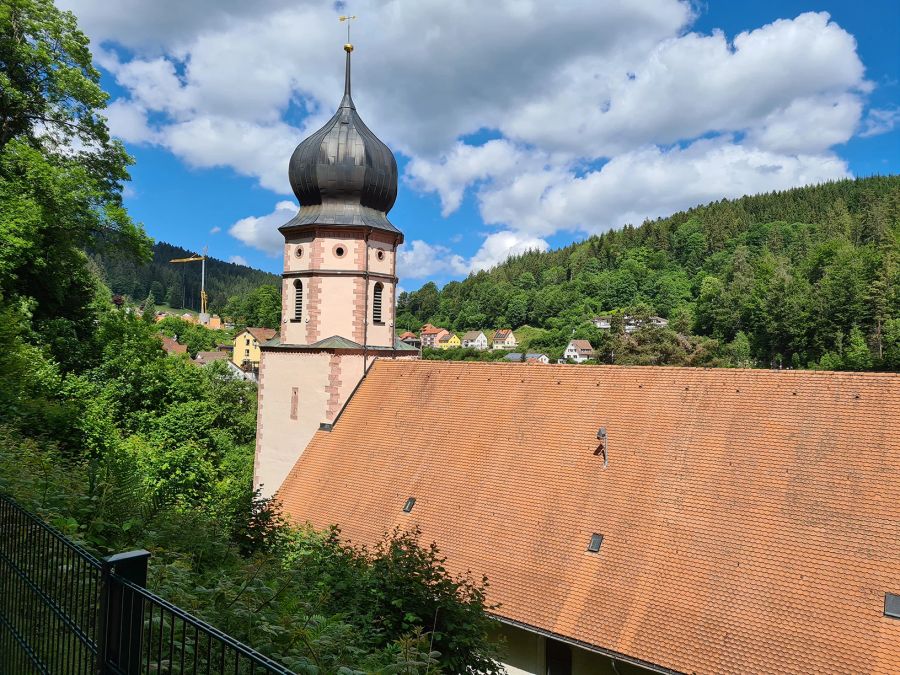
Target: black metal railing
<point>65,611</point>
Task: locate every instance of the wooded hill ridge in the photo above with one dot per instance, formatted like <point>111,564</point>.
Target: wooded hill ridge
<point>802,278</point>
<point>178,285</point>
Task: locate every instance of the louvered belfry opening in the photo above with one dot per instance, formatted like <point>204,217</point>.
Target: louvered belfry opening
<point>376,302</point>
<point>298,300</point>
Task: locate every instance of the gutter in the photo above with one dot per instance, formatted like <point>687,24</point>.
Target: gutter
<point>614,657</point>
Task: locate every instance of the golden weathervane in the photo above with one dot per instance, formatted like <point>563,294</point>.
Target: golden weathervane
<point>347,47</point>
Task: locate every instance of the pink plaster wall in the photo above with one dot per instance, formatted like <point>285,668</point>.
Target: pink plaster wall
<point>323,381</point>
<point>338,304</point>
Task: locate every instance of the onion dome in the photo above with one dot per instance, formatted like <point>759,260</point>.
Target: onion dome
<point>343,175</point>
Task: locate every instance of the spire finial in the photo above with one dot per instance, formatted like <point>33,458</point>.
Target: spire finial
<point>347,48</point>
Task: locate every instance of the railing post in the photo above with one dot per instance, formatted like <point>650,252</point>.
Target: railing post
<point>122,613</point>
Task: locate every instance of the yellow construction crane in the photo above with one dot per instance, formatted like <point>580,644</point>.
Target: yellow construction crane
<point>204,316</point>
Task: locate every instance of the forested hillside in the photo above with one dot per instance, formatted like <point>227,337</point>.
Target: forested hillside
<point>801,278</point>
<point>178,285</point>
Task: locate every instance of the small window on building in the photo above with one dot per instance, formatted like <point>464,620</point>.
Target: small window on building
<point>298,300</point>
<point>596,540</point>
<point>892,605</point>
<point>376,302</point>
<point>559,658</point>
<point>408,506</point>
<point>339,251</point>
<point>299,252</point>
<point>380,254</point>
<point>247,341</point>
<point>246,352</point>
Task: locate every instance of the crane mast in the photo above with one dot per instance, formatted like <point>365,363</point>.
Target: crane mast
<point>204,313</point>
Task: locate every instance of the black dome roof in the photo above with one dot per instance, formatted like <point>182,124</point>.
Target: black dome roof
<point>343,174</point>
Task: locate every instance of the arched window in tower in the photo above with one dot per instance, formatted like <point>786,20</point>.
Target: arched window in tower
<point>298,300</point>
<point>376,302</point>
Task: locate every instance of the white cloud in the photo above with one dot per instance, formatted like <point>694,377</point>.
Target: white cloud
<point>239,260</point>
<point>262,232</point>
<point>129,122</point>
<point>647,183</point>
<point>601,113</point>
<point>215,230</point>
<point>463,165</point>
<point>499,246</point>
<point>418,259</point>
<point>880,121</point>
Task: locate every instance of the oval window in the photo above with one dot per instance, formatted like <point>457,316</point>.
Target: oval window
<point>339,251</point>
<point>299,252</point>
<point>380,254</point>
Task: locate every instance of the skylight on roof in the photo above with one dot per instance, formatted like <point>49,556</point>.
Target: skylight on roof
<point>892,605</point>
<point>594,545</point>
<point>408,506</point>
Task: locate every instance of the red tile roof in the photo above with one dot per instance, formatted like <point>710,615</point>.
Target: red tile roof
<point>582,345</point>
<point>407,335</point>
<point>751,519</point>
<point>172,346</point>
<point>428,329</point>
<point>261,334</point>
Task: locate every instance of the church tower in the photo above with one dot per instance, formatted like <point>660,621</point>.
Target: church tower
<point>338,292</point>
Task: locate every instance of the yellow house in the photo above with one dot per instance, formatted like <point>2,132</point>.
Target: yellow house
<point>245,354</point>
<point>449,341</point>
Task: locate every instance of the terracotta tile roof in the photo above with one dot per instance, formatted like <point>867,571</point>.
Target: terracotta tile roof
<point>172,346</point>
<point>261,334</point>
<point>428,329</point>
<point>408,335</point>
<point>581,345</point>
<point>751,519</point>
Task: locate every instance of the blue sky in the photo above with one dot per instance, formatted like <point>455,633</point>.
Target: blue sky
<point>512,130</point>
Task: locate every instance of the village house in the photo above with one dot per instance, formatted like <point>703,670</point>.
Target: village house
<point>578,351</point>
<point>411,339</point>
<point>448,341</point>
<point>504,339</point>
<point>527,358</point>
<point>245,353</point>
<point>204,358</point>
<point>631,324</point>
<point>430,335</point>
<point>475,339</point>
<point>171,346</point>
<point>628,519</point>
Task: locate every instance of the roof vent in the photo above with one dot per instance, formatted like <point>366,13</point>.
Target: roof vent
<point>601,446</point>
<point>892,605</point>
<point>596,540</point>
<point>408,506</point>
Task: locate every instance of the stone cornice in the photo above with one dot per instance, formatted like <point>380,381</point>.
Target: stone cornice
<point>339,273</point>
